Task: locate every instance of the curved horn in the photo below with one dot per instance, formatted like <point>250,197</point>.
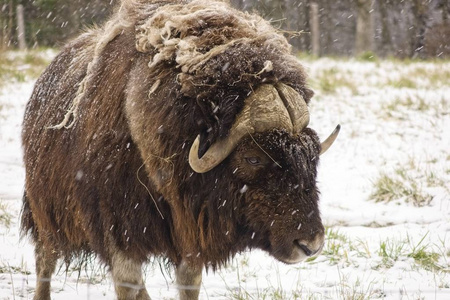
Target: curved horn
<point>263,110</point>
<point>296,106</point>
<point>214,156</point>
<point>325,145</point>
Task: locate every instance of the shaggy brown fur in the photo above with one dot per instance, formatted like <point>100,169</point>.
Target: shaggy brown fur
<point>134,95</point>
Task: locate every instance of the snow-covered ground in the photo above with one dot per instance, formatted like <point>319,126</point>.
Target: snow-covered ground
<point>394,146</point>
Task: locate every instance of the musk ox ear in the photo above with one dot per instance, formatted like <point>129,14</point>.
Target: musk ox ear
<point>205,143</point>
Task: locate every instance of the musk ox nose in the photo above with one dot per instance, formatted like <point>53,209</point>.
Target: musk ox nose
<point>311,248</point>
<point>304,248</point>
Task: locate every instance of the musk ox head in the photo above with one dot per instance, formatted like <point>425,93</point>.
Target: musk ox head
<point>245,118</point>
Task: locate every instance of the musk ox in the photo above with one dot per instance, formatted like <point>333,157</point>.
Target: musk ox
<point>179,130</point>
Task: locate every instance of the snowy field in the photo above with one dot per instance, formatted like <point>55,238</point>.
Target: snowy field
<point>385,195</point>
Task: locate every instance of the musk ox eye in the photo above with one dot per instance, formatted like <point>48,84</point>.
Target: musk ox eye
<point>254,161</point>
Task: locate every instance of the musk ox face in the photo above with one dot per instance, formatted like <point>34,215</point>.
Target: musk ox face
<point>277,172</point>
<point>281,201</point>
<point>271,156</point>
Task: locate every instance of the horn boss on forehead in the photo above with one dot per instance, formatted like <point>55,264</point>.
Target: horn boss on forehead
<point>269,107</point>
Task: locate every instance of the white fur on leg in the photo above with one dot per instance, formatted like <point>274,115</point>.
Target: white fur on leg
<point>127,276</point>
<point>189,279</point>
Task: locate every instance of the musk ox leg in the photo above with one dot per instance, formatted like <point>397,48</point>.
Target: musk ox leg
<point>46,259</point>
<point>127,276</point>
<point>189,278</point>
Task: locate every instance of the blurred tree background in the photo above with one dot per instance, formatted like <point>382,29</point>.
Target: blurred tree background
<point>50,23</point>
<point>401,28</point>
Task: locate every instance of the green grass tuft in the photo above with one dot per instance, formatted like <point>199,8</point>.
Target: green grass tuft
<point>5,216</point>
<point>390,251</point>
<point>401,185</point>
<point>329,81</point>
<point>424,255</point>
<point>368,56</point>
<point>403,82</point>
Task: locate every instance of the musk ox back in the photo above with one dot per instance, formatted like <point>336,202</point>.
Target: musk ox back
<point>177,130</point>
